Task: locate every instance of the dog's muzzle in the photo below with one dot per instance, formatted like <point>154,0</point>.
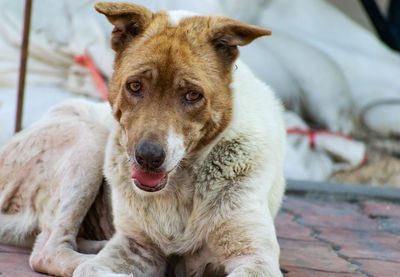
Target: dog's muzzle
<point>150,157</point>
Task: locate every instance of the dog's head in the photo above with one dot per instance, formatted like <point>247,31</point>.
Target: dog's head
<point>170,90</point>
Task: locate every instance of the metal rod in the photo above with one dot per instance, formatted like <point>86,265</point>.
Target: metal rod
<point>386,32</point>
<point>394,16</point>
<point>22,66</point>
<point>342,189</point>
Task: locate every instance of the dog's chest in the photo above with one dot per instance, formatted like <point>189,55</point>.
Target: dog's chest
<point>208,189</point>
<point>168,217</point>
<point>178,219</point>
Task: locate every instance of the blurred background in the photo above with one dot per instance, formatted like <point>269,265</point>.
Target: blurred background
<point>335,65</point>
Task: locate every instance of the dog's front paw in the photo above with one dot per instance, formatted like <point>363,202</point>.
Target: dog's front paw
<point>259,274</point>
<point>256,271</point>
<point>58,262</point>
<point>95,270</point>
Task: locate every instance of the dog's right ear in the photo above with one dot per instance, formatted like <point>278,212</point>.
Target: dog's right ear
<point>129,20</point>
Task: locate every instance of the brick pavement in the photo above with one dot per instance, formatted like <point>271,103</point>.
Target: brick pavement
<point>317,237</point>
<point>339,238</point>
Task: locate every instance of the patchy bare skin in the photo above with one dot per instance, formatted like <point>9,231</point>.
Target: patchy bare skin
<point>50,175</point>
<point>199,200</point>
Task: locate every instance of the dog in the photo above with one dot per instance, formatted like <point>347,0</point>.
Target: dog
<point>191,148</point>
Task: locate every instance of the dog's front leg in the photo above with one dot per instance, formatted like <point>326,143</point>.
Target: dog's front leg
<point>246,244</point>
<point>55,247</point>
<point>123,256</point>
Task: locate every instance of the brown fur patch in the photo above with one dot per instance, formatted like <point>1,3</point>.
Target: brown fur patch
<point>174,72</point>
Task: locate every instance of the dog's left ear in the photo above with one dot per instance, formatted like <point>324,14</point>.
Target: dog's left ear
<point>227,34</point>
<point>129,20</point>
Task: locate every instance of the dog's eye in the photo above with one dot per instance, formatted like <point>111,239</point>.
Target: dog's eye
<point>193,96</point>
<point>134,87</point>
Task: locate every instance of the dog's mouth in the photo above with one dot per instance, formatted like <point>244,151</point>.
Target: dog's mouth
<point>149,181</point>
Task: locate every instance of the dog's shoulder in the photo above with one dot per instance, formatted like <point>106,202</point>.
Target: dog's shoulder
<point>256,109</point>
<point>255,137</point>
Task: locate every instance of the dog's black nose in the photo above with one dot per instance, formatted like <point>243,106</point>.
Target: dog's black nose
<point>150,155</point>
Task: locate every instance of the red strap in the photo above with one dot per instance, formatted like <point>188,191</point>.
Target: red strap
<point>312,134</point>
<point>87,62</point>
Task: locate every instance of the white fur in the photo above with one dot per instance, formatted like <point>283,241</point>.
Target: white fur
<point>14,230</point>
<point>176,16</point>
<point>257,113</point>
<point>175,150</point>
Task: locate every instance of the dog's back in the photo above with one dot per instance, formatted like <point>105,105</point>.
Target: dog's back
<point>35,163</point>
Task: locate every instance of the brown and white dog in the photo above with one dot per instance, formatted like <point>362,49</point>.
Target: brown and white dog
<point>192,158</point>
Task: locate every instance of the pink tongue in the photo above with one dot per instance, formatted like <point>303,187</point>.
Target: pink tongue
<point>146,178</point>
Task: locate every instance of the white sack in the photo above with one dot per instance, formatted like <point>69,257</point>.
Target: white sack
<point>60,30</point>
<point>307,81</point>
<point>371,69</point>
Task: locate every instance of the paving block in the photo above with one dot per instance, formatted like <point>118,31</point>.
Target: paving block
<point>306,272</point>
<point>316,256</point>
<point>378,209</point>
<point>367,245</point>
<point>289,229</point>
<point>319,213</point>
<point>380,268</point>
